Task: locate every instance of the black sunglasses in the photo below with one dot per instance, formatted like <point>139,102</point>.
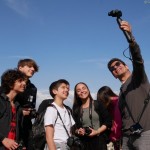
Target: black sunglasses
<point>117,64</point>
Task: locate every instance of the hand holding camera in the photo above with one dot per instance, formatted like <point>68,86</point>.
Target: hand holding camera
<point>30,111</point>
<point>21,146</point>
<point>117,13</point>
<point>84,131</point>
<point>87,130</point>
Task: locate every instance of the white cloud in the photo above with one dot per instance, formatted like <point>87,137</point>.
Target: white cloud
<point>44,94</point>
<point>41,95</point>
<point>20,6</point>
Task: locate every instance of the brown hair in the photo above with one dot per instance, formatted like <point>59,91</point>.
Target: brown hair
<point>28,62</point>
<point>104,95</point>
<point>55,85</point>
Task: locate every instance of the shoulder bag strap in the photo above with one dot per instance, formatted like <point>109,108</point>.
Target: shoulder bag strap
<point>146,101</point>
<point>90,113</point>
<point>61,120</point>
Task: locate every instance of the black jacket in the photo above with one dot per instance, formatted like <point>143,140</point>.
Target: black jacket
<point>27,99</point>
<point>5,119</point>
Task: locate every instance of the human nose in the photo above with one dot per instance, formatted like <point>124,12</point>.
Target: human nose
<point>32,68</point>
<point>24,83</point>
<point>66,89</point>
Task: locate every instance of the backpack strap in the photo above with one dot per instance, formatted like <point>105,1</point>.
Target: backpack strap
<point>44,104</point>
<point>40,117</point>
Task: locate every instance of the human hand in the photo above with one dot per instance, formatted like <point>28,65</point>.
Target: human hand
<point>10,144</point>
<point>26,111</point>
<point>125,26</point>
<point>93,132</point>
<point>81,131</point>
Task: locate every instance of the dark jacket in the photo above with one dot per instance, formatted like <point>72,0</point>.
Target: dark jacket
<point>27,99</point>
<point>135,91</point>
<point>5,119</point>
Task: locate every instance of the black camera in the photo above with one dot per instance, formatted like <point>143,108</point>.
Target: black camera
<point>87,130</point>
<point>115,13</point>
<point>21,146</point>
<point>136,129</point>
<point>74,141</point>
<point>33,113</point>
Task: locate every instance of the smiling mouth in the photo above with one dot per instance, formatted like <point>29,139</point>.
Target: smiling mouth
<point>118,69</point>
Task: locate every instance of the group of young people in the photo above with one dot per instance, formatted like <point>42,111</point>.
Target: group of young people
<point>122,120</point>
<point>17,104</point>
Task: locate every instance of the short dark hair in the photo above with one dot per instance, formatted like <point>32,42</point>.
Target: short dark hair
<point>112,60</point>
<point>55,85</point>
<point>9,77</point>
<point>28,62</point>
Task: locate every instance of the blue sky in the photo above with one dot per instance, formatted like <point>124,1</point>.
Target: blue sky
<point>71,39</point>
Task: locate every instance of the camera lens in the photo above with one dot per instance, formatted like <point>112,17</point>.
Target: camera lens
<point>115,13</point>
<point>70,141</point>
<point>78,143</point>
<point>87,130</point>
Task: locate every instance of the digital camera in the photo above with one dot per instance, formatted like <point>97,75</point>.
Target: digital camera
<point>33,113</point>
<point>74,141</point>
<point>20,146</point>
<point>136,129</point>
<point>87,130</point>
<point>115,13</point>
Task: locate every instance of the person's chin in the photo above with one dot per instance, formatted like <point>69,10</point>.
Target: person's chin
<point>65,97</point>
<point>29,76</point>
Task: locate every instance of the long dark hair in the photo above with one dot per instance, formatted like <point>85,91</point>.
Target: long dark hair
<point>104,95</point>
<point>78,102</point>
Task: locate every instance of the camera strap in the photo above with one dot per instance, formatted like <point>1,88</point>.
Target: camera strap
<point>90,113</point>
<point>62,120</point>
<point>146,101</point>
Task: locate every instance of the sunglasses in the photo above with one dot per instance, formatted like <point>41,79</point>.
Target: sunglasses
<point>117,64</point>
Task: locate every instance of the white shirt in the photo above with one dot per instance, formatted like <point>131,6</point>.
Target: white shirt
<point>51,118</point>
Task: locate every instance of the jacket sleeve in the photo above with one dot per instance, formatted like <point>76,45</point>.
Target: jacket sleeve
<point>1,137</point>
<point>138,63</point>
<point>33,93</point>
<point>2,110</point>
<point>104,114</point>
